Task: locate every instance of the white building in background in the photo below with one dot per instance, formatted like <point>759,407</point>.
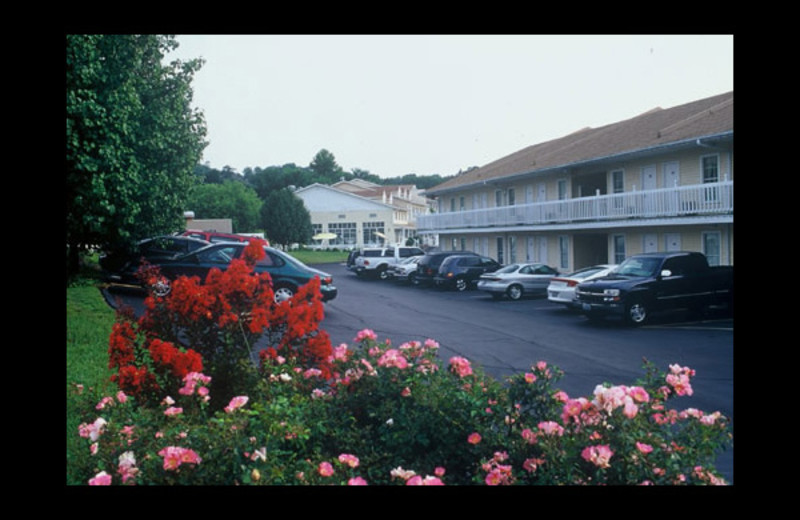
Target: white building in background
<point>356,221</point>
<point>364,214</point>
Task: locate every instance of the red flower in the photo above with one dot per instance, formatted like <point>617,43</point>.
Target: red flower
<point>135,381</point>
<point>254,251</point>
<point>173,360</point>
<point>121,345</point>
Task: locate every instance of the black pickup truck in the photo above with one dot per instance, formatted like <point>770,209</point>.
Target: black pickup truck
<point>652,282</point>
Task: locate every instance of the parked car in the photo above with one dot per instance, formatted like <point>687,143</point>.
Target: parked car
<point>655,282</point>
<point>461,272</point>
<point>121,268</point>
<point>428,265</point>
<point>351,259</point>
<point>288,274</point>
<point>518,280</point>
<point>562,289</point>
<point>377,261</point>
<point>217,237</point>
<point>406,269</point>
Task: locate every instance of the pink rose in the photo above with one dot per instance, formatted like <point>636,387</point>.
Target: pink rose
<point>101,479</point>
<point>325,469</point>
<point>460,366</point>
<point>598,455</point>
<point>236,402</point>
<point>349,460</point>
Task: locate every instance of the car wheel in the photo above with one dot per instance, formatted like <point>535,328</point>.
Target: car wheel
<point>283,293</point>
<point>636,313</point>
<point>412,279</point>
<point>161,288</point>
<point>514,292</point>
<point>383,274</point>
<point>461,284</point>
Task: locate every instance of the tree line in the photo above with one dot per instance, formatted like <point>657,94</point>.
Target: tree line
<point>259,199</point>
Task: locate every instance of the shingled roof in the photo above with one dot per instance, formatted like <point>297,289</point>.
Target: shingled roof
<point>658,127</point>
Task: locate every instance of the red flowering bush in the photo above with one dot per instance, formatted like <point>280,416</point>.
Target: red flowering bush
<point>146,366</point>
<point>218,325</point>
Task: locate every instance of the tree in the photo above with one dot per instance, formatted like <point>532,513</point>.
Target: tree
<point>231,199</point>
<point>285,218</point>
<point>324,167</point>
<point>132,140</point>
<point>272,178</point>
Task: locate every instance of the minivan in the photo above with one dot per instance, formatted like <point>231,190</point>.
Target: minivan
<point>428,265</point>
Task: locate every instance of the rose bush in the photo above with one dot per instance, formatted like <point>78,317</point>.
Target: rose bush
<point>193,407</point>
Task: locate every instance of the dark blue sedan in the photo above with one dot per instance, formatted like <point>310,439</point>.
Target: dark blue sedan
<point>288,274</point>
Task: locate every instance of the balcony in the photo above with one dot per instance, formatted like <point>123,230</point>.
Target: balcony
<point>682,201</point>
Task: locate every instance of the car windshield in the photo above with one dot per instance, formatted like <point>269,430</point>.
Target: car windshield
<point>638,267</point>
<point>508,269</point>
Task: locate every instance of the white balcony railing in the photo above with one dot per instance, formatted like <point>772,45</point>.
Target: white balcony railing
<point>701,199</point>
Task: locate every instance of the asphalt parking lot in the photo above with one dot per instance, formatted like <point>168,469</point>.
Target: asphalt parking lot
<point>506,337</point>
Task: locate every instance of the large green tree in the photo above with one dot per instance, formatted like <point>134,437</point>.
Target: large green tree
<point>231,199</point>
<point>325,168</point>
<point>285,218</point>
<point>132,140</point>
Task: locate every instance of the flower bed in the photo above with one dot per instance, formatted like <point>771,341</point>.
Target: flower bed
<point>193,409</point>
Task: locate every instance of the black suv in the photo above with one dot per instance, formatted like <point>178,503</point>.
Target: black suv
<point>461,272</point>
<point>428,265</point>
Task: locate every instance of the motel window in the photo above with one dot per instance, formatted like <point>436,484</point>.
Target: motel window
<point>619,248</point>
<point>710,168</point>
<point>500,254</point>
<point>618,181</point>
<point>562,189</point>
<point>512,249</point>
<point>711,247</point>
<point>710,165</point>
<point>563,244</point>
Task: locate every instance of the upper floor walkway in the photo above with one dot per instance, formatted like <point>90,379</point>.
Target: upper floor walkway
<point>713,199</point>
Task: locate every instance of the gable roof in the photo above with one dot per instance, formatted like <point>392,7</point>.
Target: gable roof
<point>321,197</point>
<point>657,128</point>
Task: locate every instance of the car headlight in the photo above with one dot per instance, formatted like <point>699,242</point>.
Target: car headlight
<point>611,292</point>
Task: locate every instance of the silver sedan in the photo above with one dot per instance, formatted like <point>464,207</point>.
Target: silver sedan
<point>562,289</point>
<point>517,280</point>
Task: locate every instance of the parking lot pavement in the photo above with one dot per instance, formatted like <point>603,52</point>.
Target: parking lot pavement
<point>506,337</point>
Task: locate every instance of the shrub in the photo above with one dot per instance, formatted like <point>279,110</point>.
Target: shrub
<point>369,413</point>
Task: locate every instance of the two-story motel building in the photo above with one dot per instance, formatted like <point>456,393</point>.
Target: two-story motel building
<point>660,181</point>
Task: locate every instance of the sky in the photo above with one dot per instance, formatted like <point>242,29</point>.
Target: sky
<point>428,104</point>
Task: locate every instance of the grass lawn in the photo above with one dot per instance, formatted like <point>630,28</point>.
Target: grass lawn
<point>89,321</point>
<point>310,256</point>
